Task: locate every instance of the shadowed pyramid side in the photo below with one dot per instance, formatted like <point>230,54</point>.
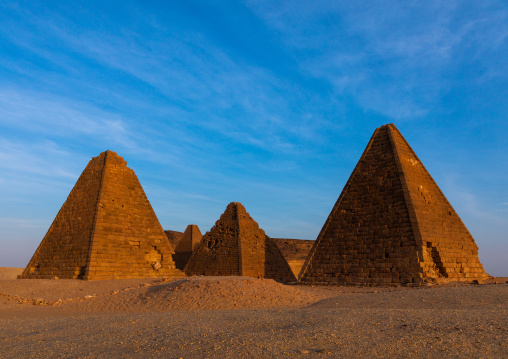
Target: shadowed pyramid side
<point>260,256</point>
<point>276,265</point>
<point>64,250</point>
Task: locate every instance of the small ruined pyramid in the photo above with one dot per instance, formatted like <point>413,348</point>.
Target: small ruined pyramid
<point>106,229</point>
<point>188,244</point>
<point>392,225</point>
<point>236,246</point>
<point>190,240</point>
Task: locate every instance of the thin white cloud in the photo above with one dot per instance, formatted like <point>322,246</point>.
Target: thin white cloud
<point>56,115</point>
<point>393,59</point>
<point>193,73</point>
<point>469,206</point>
<point>59,117</point>
<point>198,196</point>
<point>43,158</point>
<point>21,222</point>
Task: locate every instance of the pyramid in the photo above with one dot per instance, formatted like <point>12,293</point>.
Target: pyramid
<point>188,244</point>
<point>106,229</point>
<point>392,225</point>
<point>237,246</point>
<point>190,240</point>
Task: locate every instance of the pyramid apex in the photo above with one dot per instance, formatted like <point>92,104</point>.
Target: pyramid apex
<point>110,153</point>
<point>389,125</point>
<point>236,204</point>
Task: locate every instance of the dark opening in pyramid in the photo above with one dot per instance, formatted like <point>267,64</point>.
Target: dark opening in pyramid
<point>392,224</point>
<point>188,244</point>
<point>106,229</point>
<point>237,246</point>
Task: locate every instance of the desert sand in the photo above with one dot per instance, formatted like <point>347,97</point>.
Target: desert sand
<point>9,272</point>
<point>243,317</point>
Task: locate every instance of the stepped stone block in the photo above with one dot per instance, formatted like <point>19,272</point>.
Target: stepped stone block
<point>392,225</point>
<point>106,229</point>
<point>237,246</point>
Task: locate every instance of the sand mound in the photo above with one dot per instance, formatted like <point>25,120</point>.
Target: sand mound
<point>206,293</point>
<point>44,297</point>
<point>8,273</point>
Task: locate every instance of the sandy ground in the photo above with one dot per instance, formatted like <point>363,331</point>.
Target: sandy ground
<point>9,272</point>
<point>242,317</point>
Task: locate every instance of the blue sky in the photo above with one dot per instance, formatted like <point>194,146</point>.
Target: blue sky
<point>266,103</point>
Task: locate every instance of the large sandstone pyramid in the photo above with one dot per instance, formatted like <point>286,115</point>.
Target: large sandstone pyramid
<point>106,229</point>
<point>392,225</point>
<point>237,246</point>
<point>187,245</point>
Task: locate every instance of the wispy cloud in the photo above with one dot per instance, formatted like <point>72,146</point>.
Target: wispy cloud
<point>270,105</point>
<point>193,74</point>
<point>470,205</point>
<point>43,158</point>
<point>41,113</point>
<point>16,222</point>
<point>393,59</point>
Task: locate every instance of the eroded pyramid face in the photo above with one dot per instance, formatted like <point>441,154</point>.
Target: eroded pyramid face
<point>105,229</point>
<point>392,224</point>
<point>237,246</point>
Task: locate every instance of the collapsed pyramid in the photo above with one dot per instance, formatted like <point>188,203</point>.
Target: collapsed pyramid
<point>188,244</point>
<point>392,225</point>
<point>106,229</point>
<point>237,246</point>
